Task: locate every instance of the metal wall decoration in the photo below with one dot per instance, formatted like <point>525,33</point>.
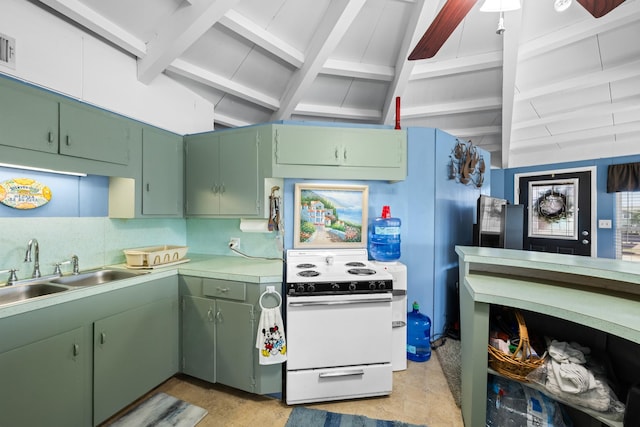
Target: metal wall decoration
<point>467,165</point>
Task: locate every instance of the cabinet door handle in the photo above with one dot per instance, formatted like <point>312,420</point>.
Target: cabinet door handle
<point>337,154</point>
<point>76,349</point>
<point>50,137</point>
<point>148,187</point>
<point>222,188</point>
<point>214,189</point>
<point>68,140</point>
<point>210,315</point>
<point>344,155</point>
<point>219,318</point>
<point>103,338</point>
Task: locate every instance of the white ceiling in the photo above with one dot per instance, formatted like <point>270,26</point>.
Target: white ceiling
<point>554,87</point>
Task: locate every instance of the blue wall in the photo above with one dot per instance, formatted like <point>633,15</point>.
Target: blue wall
<point>71,196</point>
<point>503,187</point>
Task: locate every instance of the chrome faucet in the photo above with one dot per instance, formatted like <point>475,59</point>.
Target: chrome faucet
<point>27,257</point>
<point>12,276</point>
<point>73,261</point>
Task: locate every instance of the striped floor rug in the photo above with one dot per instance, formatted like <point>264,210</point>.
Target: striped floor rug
<point>162,410</point>
<point>305,417</point>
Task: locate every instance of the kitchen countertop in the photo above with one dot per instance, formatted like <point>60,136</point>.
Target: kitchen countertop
<point>233,268</point>
<point>208,266</point>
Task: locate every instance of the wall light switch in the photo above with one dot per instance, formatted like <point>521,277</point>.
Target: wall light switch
<point>604,223</point>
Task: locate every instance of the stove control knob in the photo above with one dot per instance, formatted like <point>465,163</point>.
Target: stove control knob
<point>311,287</point>
<point>300,288</point>
<point>372,285</point>
<point>352,286</point>
<point>335,287</point>
<point>382,285</point>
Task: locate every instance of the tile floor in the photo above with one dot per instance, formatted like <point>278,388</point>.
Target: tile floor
<point>420,396</point>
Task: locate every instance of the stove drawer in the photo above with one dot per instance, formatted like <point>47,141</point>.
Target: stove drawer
<point>318,385</point>
<point>224,289</point>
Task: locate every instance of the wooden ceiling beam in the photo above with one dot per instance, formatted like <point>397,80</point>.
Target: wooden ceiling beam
<point>260,37</point>
<point>337,20</point>
<point>446,67</point>
<point>176,35</point>
<point>222,84</point>
<point>458,107</point>
<point>423,13</point>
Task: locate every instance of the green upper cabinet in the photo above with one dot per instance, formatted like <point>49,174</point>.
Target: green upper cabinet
<point>339,153</point>
<point>224,176</point>
<point>28,118</point>
<point>156,188</point>
<point>95,134</point>
<point>47,130</point>
<point>162,173</point>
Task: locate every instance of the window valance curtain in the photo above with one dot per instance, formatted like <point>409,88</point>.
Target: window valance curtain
<point>624,177</point>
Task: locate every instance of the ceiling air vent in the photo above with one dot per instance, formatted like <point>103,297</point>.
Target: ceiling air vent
<point>7,51</point>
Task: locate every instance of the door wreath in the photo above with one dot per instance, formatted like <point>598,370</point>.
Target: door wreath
<point>552,206</point>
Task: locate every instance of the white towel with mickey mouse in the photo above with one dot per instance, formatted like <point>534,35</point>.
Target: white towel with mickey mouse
<point>270,341</point>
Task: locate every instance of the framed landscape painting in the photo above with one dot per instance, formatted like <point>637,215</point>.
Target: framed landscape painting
<point>330,216</point>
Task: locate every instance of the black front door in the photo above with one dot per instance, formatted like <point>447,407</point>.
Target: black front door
<point>557,212</point>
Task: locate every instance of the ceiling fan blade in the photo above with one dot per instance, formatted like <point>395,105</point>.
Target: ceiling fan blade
<point>451,14</point>
<point>599,8</point>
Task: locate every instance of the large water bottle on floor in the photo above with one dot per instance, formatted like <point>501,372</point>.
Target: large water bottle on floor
<point>384,237</point>
<point>418,335</point>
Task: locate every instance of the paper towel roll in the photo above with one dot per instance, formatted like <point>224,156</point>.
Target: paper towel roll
<point>254,225</point>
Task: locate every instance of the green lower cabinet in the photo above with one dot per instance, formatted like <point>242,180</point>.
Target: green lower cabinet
<point>235,345</point>
<point>134,351</point>
<point>218,341</point>
<point>43,382</point>
<point>219,327</point>
<point>198,337</point>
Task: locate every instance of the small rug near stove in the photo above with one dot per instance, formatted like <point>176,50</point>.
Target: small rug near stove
<point>305,417</point>
<point>162,410</point>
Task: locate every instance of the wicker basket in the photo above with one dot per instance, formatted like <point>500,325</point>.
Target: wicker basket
<point>511,365</point>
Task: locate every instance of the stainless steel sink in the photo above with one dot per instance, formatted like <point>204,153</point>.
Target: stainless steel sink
<point>10,294</point>
<point>96,277</point>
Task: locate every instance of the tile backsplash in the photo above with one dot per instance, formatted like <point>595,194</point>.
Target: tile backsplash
<point>99,241</point>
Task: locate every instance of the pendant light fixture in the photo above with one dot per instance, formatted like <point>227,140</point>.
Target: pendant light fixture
<point>500,6</point>
<point>561,5</point>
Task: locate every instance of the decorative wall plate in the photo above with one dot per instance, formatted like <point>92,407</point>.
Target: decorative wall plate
<point>24,193</point>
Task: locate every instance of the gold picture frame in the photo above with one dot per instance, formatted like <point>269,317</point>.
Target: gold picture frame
<point>330,216</point>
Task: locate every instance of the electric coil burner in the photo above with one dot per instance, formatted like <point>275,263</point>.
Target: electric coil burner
<point>338,321</point>
<point>334,272</point>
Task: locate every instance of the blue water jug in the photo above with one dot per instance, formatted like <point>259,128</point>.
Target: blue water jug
<point>418,335</point>
<point>384,237</point>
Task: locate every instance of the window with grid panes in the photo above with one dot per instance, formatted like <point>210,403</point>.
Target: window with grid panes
<point>628,226</point>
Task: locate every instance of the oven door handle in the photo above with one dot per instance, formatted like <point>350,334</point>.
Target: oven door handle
<point>356,372</point>
<point>340,302</point>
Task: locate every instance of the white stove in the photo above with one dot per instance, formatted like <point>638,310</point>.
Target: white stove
<point>338,322</point>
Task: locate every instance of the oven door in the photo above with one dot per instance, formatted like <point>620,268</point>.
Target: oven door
<point>338,330</point>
